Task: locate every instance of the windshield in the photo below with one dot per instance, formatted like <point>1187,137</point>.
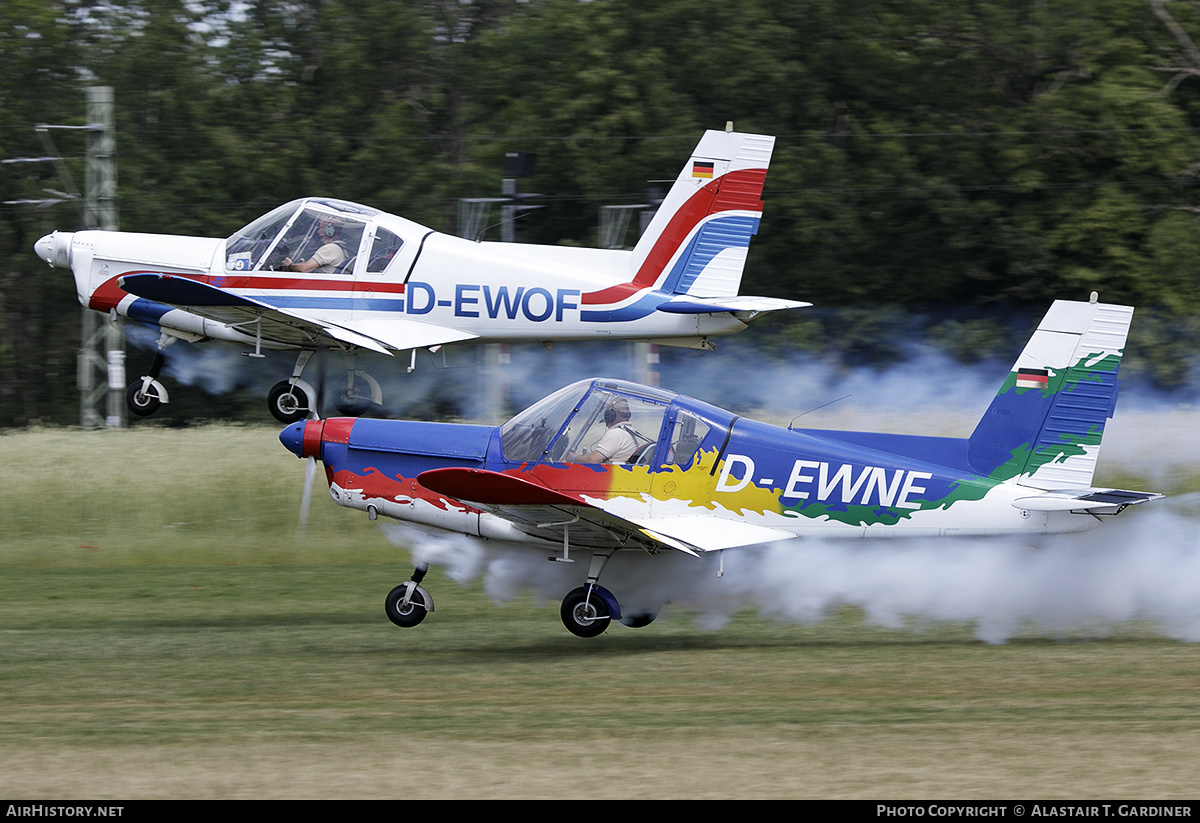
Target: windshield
<point>327,231</point>
<point>527,436</point>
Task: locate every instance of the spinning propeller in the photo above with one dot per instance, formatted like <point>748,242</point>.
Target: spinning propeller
<point>310,469</point>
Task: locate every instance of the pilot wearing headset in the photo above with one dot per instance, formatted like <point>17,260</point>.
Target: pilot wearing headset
<point>618,443</point>
<point>327,258</point>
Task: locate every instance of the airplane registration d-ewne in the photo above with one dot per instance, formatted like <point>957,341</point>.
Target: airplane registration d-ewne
<point>320,273</point>
<point>602,467</point>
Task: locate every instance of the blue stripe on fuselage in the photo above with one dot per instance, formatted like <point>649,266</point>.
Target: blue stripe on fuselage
<point>635,311</point>
<point>334,303</point>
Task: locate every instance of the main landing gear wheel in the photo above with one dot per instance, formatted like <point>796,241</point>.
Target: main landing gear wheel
<point>144,400</point>
<point>584,616</point>
<point>405,615</point>
<point>354,399</point>
<point>638,620</point>
<point>288,403</point>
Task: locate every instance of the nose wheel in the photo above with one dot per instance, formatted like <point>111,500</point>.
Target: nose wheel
<point>407,604</point>
<point>145,395</point>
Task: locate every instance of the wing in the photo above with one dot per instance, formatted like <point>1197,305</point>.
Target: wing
<point>287,326</point>
<point>532,506</point>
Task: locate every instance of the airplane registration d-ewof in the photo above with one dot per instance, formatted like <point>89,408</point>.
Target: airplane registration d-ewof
<point>324,274</point>
<point>603,467</point>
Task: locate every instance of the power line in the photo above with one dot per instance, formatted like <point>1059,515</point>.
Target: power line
<point>358,136</point>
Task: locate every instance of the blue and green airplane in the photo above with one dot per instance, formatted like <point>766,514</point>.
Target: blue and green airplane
<point>607,466</point>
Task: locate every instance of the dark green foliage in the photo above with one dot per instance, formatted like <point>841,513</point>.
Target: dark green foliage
<point>960,155</point>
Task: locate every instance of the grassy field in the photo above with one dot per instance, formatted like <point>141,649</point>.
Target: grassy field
<point>165,632</point>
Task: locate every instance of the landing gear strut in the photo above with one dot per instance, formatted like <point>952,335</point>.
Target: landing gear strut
<point>360,391</point>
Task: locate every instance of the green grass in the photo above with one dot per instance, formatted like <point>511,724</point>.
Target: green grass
<point>211,494</point>
<point>165,633</point>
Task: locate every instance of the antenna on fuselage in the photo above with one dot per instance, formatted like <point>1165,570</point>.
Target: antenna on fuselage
<point>815,408</point>
<point>513,219</point>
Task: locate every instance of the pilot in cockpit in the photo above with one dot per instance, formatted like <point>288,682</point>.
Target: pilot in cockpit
<point>329,256</point>
<point>618,443</point>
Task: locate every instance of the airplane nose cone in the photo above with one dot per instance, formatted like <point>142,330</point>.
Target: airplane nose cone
<point>303,439</point>
<point>55,249</point>
<point>292,438</point>
<point>45,248</point>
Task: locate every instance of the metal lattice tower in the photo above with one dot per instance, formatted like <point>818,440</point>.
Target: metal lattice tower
<point>101,364</point>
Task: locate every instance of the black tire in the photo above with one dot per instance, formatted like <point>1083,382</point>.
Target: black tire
<point>354,400</point>
<point>638,620</point>
<point>141,404</point>
<point>288,404</point>
<point>584,616</point>
<point>405,615</point>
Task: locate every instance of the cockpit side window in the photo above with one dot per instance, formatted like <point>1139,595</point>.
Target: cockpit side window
<point>687,434</point>
<point>383,249</point>
<point>612,427</point>
<point>331,239</point>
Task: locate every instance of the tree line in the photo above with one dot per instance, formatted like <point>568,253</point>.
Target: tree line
<point>964,157</point>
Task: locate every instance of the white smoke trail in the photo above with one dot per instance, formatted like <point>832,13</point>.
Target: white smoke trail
<point>741,375</point>
<point>1145,566</point>
<point>1142,566</point>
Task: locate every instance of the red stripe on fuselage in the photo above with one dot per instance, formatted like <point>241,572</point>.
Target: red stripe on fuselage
<point>737,190</point>
<point>106,296</point>
<point>269,282</point>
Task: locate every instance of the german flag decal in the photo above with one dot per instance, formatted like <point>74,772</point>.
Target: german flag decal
<point>702,169</point>
<point>1032,378</point>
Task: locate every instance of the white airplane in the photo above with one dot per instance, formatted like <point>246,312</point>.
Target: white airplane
<point>319,273</point>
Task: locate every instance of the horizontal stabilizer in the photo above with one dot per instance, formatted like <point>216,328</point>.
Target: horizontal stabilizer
<point>1100,501</point>
<point>716,305</point>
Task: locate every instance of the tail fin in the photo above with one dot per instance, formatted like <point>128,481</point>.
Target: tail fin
<point>1044,426</point>
<point>696,244</point>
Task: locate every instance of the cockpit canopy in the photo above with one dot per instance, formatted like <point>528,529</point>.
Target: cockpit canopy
<point>297,230</point>
<point>605,421</point>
